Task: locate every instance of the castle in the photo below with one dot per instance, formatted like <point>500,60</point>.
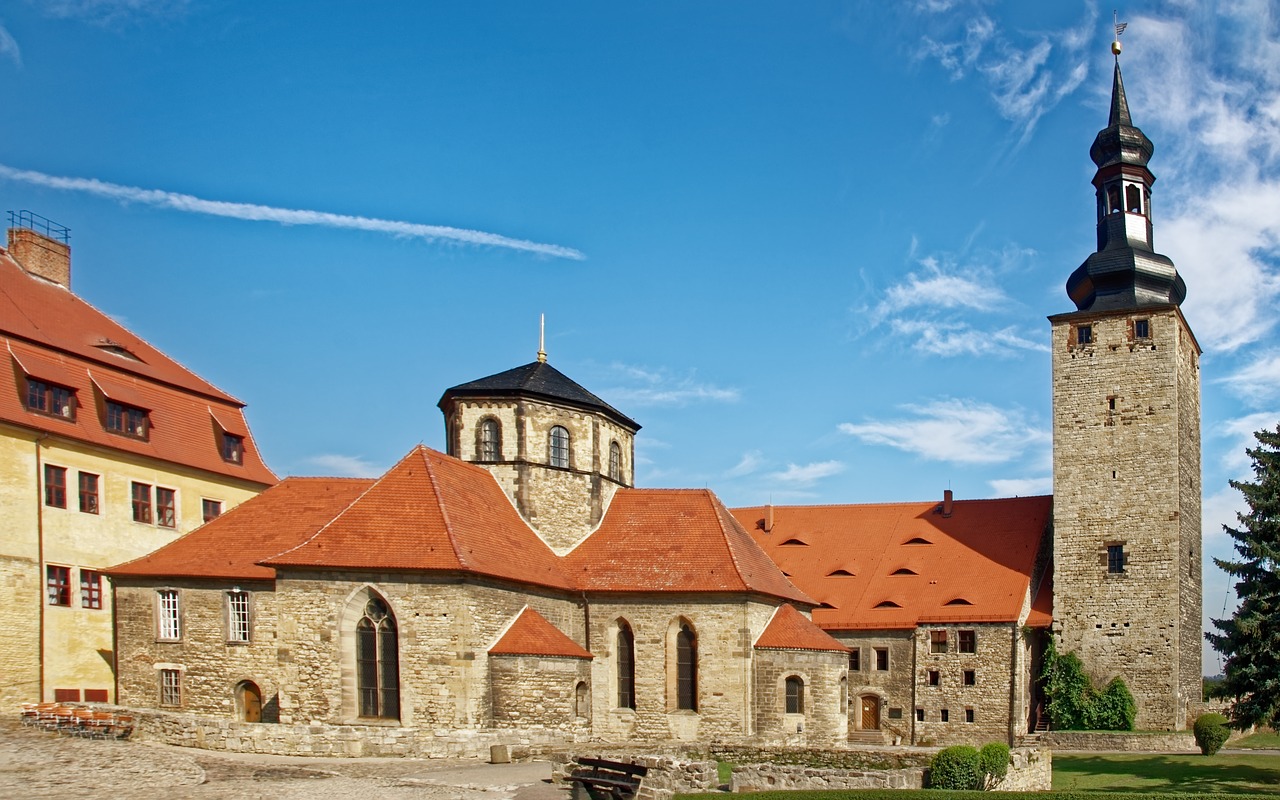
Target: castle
<point>520,585</point>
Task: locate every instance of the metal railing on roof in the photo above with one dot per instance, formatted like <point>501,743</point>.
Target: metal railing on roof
<point>42,225</point>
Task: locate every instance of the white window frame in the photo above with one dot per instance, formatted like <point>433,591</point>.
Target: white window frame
<point>239,620</point>
<point>170,687</point>
<point>168,615</point>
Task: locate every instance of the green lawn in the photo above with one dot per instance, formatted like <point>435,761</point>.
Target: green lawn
<point>1175,774</point>
<point>1262,740</point>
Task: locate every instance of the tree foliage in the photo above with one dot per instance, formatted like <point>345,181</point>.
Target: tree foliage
<point>1250,638</point>
<point>957,767</point>
<point>1211,733</point>
<point>1074,705</point>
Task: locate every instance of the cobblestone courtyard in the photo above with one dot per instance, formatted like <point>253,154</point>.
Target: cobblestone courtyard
<point>35,763</point>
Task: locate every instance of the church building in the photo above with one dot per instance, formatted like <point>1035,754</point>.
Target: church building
<point>521,582</point>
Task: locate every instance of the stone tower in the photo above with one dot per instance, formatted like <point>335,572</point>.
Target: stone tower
<point>1126,449</point>
<point>558,451</point>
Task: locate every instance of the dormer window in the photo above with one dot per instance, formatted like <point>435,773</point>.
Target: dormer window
<point>127,420</point>
<point>559,441</point>
<point>48,398</point>
<point>232,448</point>
<point>116,349</point>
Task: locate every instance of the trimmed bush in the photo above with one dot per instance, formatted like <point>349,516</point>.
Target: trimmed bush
<point>1211,732</point>
<point>1112,710</point>
<point>993,759</point>
<point>1074,705</point>
<point>956,768</point>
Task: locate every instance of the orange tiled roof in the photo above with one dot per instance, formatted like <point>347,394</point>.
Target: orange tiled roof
<point>791,630</point>
<point>431,512</point>
<point>674,540</point>
<point>231,545</point>
<point>893,566</point>
<point>52,335</point>
<point>532,635</point>
<point>1041,615</point>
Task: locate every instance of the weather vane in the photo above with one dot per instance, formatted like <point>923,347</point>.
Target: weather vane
<point>1120,26</point>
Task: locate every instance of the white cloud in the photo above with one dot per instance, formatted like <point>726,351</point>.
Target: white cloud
<point>659,387</point>
<point>1258,381</point>
<point>1240,430</point>
<point>942,338</point>
<point>1021,487</point>
<point>344,466</point>
<point>9,47</point>
<point>749,463</point>
<point>958,431</point>
<point>937,288</point>
<point>284,216</point>
<point>808,473</point>
<point>1218,509</point>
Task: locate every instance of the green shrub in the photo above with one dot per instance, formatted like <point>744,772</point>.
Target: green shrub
<point>993,759</point>
<point>956,768</point>
<point>1072,702</point>
<point>1112,710</point>
<point>1211,732</point>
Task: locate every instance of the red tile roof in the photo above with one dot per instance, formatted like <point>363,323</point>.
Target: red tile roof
<point>791,630</point>
<point>1041,615</point>
<point>231,545</point>
<point>52,335</point>
<point>431,512</point>
<point>532,635</point>
<point>674,540</point>
<point>974,566</point>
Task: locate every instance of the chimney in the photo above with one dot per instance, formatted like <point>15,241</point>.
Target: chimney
<point>768,518</point>
<point>40,246</point>
<point>946,503</point>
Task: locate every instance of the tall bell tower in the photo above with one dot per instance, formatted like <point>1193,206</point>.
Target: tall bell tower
<point>1126,448</point>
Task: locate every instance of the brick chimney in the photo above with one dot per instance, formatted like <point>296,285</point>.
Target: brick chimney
<point>41,255</point>
<point>946,502</point>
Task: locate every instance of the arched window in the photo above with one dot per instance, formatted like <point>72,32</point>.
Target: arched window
<point>626,666</point>
<point>490,445</point>
<point>1113,199</point>
<point>615,461</point>
<point>580,699</point>
<point>1133,199</point>
<point>378,662</point>
<point>686,669</point>
<point>795,695</point>
<point>559,447</point>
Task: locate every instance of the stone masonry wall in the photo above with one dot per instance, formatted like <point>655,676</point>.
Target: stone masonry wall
<point>533,691</point>
<point>824,718</point>
<point>210,666</point>
<point>1125,459</point>
<point>1030,770</point>
<point>992,666</point>
<point>892,690</point>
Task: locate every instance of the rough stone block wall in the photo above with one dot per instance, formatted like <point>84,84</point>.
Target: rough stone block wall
<point>824,719</point>
<point>993,665</point>
<point>892,688</point>
<point>1126,472</point>
<point>445,629</point>
<point>533,691</point>
<point>20,621</point>
<point>1128,742</point>
<point>668,775</point>
<point>210,666</point>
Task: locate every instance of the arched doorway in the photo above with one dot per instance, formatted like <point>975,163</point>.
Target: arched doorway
<point>249,701</point>
<point>870,713</point>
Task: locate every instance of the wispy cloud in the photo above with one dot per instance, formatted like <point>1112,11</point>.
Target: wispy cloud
<point>9,47</point>
<point>284,216</point>
<point>344,466</point>
<point>961,339</point>
<point>958,431</point>
<point>939,288</point>
<point>648,386</point>
<point>1021,487</point>
<point>1258,381</point>
<point>751,461</point>
<point>804,474</point>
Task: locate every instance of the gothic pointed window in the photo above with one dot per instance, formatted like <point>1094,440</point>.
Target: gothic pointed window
<point>378,662</point>
<point>686,669</point>
<point>559,450</point>
<point>615,461</point>
<point>490,440</point>
<point>626,666</point>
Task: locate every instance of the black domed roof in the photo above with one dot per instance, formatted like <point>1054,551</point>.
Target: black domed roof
<point>538,380</point>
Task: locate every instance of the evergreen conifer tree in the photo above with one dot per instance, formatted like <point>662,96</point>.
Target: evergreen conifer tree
<point>1250,639</point>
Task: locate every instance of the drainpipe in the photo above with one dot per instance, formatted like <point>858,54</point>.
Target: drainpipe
<point>40,568</point>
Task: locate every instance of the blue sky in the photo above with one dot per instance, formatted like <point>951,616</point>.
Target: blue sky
<point>809,247</point>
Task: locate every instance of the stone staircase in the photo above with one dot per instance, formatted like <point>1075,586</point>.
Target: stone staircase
<point>866,737</point>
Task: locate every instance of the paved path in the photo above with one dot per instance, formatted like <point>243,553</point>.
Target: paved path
<point>35,763</point>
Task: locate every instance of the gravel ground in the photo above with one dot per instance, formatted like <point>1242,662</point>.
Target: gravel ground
<point>36,763</point>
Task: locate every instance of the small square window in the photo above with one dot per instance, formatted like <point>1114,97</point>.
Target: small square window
<point>90,589</point>
<point>1141,329</point>
<point>170,687</point>
<point>211,509</point>
<point>968,642</point>
<point>935,677</point>
<point>55,486</point>
<point>938,641</point>
<point>232,448</point>
<point>919,715</point>
<point>58,584</point>
<point>970,677</point>
<point>968,715</point>
<point>882,659</point>
<point>855,659</point>
<point>88,493</point>
<point>895,713</point>
<point>1084,334</point>
<point>1116,559</point>
<point>946,715</point>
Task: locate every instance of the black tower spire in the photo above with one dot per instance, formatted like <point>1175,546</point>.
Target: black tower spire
<point>1125,272</point>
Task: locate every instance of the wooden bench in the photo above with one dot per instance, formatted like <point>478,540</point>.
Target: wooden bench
<point>606,780</point>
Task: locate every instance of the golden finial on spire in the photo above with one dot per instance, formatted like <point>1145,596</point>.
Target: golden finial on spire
<point>1120,26</point>
<point>542,339</point>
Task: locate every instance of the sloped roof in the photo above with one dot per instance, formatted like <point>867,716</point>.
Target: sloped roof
<point>231,545</point>
<point>1041,615</point>
<point>533,635</point>
<point>791,630</point>
<point>674,540</point>
<point>974,566</point>
<point>538,380</point>
<point>431,512</point>
<point>51,335</point>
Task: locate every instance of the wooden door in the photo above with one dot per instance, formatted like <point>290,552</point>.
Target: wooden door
<point>251,702</point>
<point>870,713</point>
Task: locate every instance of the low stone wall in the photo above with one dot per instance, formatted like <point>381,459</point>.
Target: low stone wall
<point>668,775</point>
<point>353,741</point>
<point>1030,770</point>
<point>1156,742</point>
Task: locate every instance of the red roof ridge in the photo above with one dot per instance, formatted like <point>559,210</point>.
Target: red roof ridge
<point>788,629</point>
<point>333,519</point>
<point>421,451</point>
<point>892,504</point>
<point>531,634</point>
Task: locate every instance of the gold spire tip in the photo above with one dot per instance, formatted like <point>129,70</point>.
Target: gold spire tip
<point>542,339</point>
